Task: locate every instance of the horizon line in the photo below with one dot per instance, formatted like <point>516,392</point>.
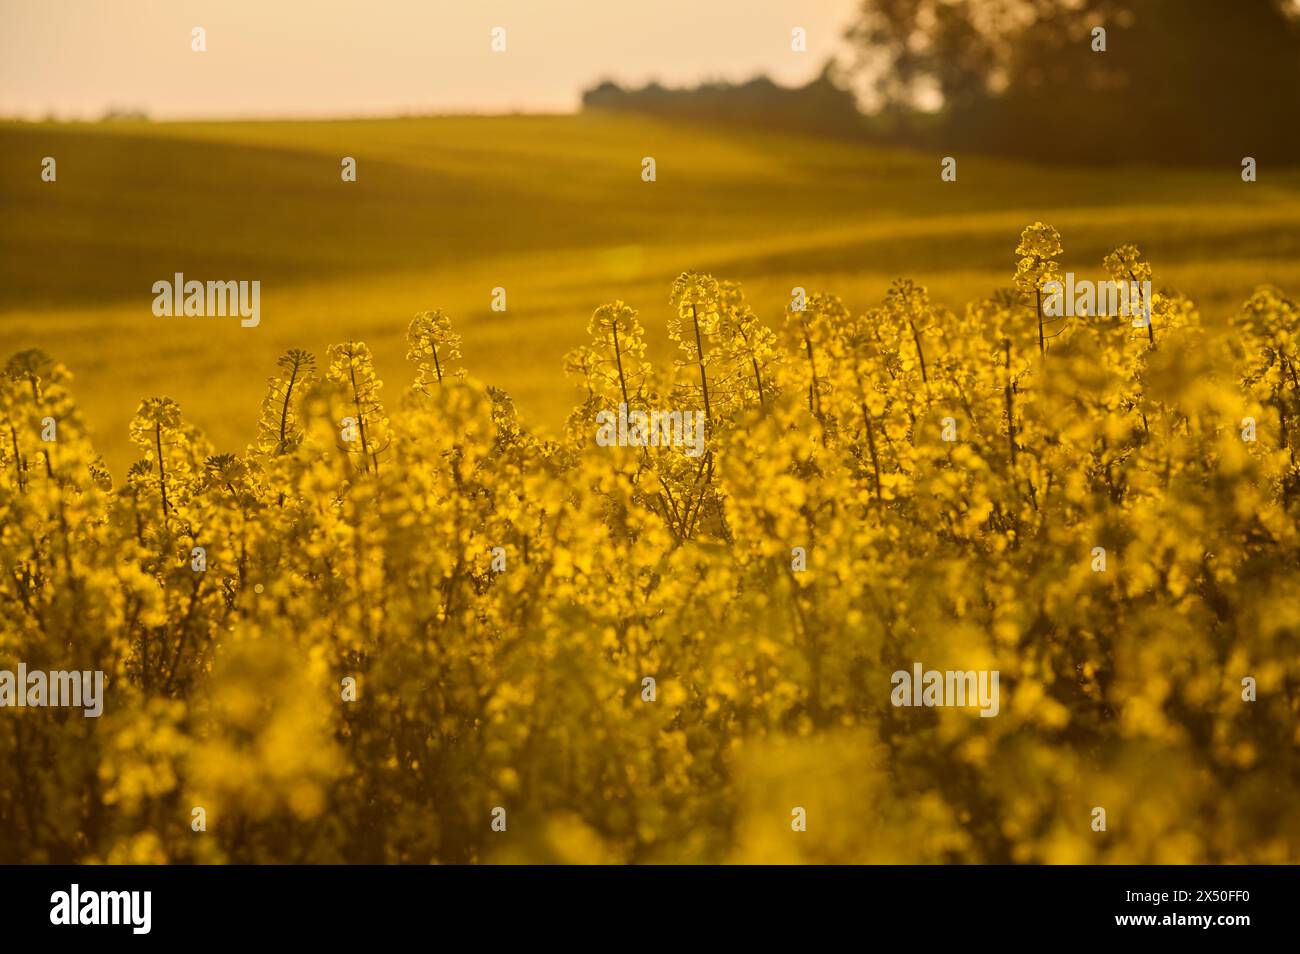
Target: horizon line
<point>129,115</point>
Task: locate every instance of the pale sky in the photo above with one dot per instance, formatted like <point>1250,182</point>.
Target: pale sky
<point>74,58</point>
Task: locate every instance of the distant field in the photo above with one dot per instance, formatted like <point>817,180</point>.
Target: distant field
<point>553,209</point>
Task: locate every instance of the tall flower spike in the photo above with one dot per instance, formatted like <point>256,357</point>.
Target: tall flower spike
<point>697,299</point>
<point>615,364</point>
<point>1127,269</point>
<point>351,366</point>
<point>1038,248</point>
<point>433,346</point>
<point>155,427</point>
<point>280,426</point>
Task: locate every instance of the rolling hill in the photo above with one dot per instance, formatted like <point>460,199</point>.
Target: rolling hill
<point>552,209</point>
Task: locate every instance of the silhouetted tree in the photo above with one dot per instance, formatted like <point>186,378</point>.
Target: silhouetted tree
<point>822,106</point>
<point>1180,80</point>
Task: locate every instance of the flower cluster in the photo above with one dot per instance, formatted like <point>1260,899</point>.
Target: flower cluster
<point>408,629</point>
